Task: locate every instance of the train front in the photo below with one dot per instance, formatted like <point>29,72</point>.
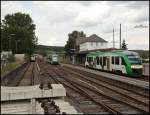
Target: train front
<point>135,64</point>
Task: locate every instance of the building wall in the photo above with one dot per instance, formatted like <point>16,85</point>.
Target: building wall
<point>20,56</point>
<point>92,46</point>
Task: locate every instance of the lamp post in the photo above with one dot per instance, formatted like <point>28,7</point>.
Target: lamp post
<point>10,41</point>
<point>17,45</point>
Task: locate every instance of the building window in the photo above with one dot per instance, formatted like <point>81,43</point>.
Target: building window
<point>102,44</point>
<point>96,43</point>
<point>117,60</point>
<point>91,43</point>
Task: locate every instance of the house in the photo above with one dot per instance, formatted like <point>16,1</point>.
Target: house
<point>92,42</point>
<point>4,57</point>
<point>85,45</point>
<point>5,54</point>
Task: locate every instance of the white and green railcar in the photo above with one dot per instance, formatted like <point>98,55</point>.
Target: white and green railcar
<point>119,61</point>
<point>53,59</point>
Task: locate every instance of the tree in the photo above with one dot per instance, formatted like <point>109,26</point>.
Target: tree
<point>18,33</point>
<point>124,45</point>
<point>71,43</point>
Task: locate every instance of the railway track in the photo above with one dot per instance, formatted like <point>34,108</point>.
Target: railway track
<point>21,76</point>
<point>109,98</point>
<point>128,87</point>
<point>97,82</point>
<point>110,95</point>
<point>28,76</point>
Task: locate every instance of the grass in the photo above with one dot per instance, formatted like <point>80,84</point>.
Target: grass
<point>10,66</point>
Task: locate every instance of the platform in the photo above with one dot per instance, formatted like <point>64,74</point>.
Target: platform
<point>27,92</point>
<point>22,100</point>
<point>135,82</point>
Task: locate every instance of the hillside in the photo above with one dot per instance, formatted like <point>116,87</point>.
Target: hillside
<point>42,49</point>
<point>143,53</point>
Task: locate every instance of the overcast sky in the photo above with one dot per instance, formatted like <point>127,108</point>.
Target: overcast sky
<point>55,19</point>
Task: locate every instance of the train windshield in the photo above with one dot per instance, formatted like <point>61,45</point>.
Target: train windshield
<point>134,59</point>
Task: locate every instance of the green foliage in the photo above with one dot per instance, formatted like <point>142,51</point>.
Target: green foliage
<point>11,58</point>
<point>71,43</point>
<point>124,45</point>
<point>10,66</point>
<point>143,53</point>
<point>44,50</point>
<point>27,57</point>
<point>18,33</point>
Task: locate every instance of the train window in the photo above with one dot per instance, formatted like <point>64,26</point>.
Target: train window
<point>88,58</point>
<point>122,60</point>
<point>97,59</point>
<point>91,58</point>
<point>112,60</point>
<point>104,60</point>
<point>117,60</point>
<point>100,60</point>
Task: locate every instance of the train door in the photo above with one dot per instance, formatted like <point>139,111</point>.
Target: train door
<point>104,63</point>
<point>108,63</point>
<point>98,66</point>
<point>112,63</point>
<point>101,62</point>
<point>118,66</point>
<point>123,64</point>
<point>86,61</point>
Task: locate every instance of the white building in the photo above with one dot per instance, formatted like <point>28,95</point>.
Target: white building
<point>20,56</point>
<point>4,57</point>
<point>92,42</point>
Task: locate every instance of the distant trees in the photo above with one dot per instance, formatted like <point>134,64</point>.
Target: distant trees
<point>71,43</point>
<point>18,33</point>
<point>124,45</point>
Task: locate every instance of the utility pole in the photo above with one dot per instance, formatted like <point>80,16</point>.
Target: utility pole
<point>113,39</point>
<point>120,36</point>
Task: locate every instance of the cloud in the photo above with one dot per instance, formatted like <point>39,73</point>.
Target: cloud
<point>10,7</point>
<point>55,19</point>
<point>92,16</point>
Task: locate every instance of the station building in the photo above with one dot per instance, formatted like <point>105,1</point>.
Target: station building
<point>89,44</point>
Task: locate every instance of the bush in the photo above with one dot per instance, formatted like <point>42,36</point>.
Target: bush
<point>11,58</point>
<point>27,57</point>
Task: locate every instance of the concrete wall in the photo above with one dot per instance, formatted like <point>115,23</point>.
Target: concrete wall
<point>20,56</point>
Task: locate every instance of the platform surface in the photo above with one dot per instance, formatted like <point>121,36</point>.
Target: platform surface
<point>28,92</point>
<point>135,82</point>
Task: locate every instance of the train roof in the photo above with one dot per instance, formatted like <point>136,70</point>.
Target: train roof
<point>114,52</point>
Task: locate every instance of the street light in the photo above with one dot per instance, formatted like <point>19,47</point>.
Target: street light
<point>10,41</point>
<point>17,45</point>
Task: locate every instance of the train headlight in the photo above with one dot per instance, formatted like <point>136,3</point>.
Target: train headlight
<point>137,66</point>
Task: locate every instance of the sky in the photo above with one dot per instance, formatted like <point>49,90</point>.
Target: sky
<point>54,20</point>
